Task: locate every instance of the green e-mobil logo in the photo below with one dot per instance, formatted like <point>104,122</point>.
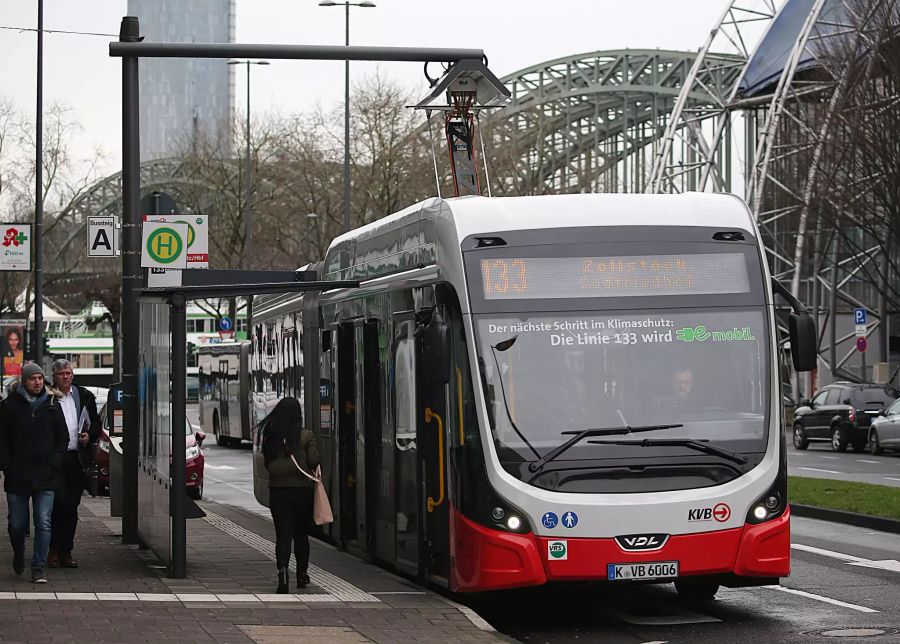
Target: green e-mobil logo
<point>702,334</point>
<point>557,550</point>
<point>164,245</point>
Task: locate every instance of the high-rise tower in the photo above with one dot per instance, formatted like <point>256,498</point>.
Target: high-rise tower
<point>183,99</point>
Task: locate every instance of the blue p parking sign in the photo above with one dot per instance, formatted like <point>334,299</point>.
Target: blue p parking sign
<point>859,316</point>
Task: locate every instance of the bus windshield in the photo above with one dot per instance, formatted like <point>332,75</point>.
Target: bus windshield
<point>706,369</point>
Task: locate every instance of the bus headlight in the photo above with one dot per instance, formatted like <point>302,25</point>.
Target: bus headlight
<point>513,522</point>
<point>760,512</point>
<point>498,513</point>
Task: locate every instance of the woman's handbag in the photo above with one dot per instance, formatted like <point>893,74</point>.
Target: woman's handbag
<point>321,506</point>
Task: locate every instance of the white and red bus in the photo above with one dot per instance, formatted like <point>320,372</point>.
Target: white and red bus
<point>554,388</point>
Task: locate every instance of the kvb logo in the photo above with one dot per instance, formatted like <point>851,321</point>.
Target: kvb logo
<point>642,541</point>
<point>720,512</point>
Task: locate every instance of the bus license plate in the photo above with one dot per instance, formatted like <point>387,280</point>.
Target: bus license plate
<point>649,570</point>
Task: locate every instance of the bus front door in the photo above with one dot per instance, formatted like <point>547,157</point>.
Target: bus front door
<point>346,415</point>
<point>432,433</point>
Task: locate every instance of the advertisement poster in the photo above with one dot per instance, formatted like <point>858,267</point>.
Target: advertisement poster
<point>15,247</point>
<point>13,346</point>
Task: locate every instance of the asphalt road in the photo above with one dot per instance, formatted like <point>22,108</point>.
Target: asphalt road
<point>819,461</point>
<point>844,584</point>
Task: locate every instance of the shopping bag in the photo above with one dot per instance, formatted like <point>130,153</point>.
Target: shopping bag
<point>321,506</point>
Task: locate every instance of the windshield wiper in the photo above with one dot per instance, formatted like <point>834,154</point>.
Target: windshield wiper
<point>505,346</point>
<point>698,445</point>
<point>581,434</point>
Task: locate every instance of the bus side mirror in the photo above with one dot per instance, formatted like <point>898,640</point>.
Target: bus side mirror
<point>804,341</point>
<point>436,347</point>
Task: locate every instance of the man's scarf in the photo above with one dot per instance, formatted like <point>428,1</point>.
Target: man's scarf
<point>36,401</point>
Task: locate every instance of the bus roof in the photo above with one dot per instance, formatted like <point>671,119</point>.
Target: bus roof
<point>474,215</point>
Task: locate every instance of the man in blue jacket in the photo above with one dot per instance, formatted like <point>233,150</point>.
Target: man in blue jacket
<point>33,441</point>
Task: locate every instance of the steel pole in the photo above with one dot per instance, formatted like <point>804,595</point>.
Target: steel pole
<point>248,230</point>
<point>178,491</point>
<point>131,277</point>
<point>347,122</point>
<point>38,345</point>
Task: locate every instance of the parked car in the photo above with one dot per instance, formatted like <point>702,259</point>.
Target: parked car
<point>885,431</point>
<point>840,413</point>
<point>194,458</point>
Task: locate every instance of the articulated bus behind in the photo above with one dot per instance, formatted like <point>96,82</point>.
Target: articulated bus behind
<point>536,389</point>
<point>224,391</point>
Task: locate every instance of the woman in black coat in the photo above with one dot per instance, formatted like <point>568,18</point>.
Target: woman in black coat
<point>288,448</point>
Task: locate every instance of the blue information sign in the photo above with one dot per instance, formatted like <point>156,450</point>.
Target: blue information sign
<point>860,316</point>
<point>225,324</point>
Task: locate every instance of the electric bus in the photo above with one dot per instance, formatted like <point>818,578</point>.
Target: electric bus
<point>224,391</point>
<point>546,389</point>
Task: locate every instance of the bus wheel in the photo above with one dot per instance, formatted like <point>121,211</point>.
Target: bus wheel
<point>221,441</point>
<point>800,439</point>
<point>697,589</point>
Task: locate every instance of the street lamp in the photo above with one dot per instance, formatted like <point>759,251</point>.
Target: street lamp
<point>312,219</point>
<point>247,215</point>
<point>346,4</point>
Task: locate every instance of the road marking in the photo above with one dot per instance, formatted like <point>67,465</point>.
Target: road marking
<point>822,598</point>
<point>683,616</point>
<point>218,467</point>
<point>184,598</point>
<point>885,564</point>
<point>830,458</point>
<point>232,485</point>
<point>862,460</point>
<point>334,585</point>
<point>816,469</point>
<point>890,478</point>
<point>828,553</point>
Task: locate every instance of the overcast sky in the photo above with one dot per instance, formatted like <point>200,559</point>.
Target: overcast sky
<point>514,33</point>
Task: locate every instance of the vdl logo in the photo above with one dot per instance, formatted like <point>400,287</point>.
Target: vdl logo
<point>164,245</point>
<point>557,550</point>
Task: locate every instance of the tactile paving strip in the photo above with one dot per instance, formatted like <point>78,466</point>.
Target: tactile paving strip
<point>336,587</point>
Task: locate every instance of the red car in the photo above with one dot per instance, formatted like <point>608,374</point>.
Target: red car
<point>194,459</point>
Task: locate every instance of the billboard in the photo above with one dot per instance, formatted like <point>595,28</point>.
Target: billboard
<point>12,346</point>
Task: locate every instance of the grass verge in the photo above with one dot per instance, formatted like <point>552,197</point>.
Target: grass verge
<point>864,498</point>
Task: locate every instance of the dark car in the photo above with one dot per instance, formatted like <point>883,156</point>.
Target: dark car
<point>840,413</point>
<point>194,458</point>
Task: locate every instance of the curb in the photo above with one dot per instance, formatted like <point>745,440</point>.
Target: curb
<point>849,518</point>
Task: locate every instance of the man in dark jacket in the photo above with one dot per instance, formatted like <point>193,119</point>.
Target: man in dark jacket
<point>83,424</point>
<point>33,440</point>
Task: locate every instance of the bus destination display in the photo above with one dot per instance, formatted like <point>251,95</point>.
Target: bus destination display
<point>505,278</point>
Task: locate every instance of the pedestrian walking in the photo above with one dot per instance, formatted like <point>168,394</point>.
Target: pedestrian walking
<point>79,408</point>
<point>33,442</point>
<point>291,454</point>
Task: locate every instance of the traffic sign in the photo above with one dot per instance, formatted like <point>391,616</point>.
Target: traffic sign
<point>860,329</point>
<point>197,237</point>
<point>164,245</point>
<point>862,344</point>
<point>225,324</point>
<point>101,238</point>
<point>860,316</point>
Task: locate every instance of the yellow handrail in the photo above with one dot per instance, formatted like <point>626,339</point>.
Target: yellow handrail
<point>432,504</point>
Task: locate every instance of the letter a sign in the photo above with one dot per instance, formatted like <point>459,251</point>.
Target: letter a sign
<point>164,245</point>
<point>101,236</point>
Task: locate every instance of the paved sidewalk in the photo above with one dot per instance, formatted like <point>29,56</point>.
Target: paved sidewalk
<point>120,593</point>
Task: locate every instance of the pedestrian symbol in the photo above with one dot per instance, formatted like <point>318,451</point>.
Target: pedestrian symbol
<point>570,519</point>
<point>549,520</point>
